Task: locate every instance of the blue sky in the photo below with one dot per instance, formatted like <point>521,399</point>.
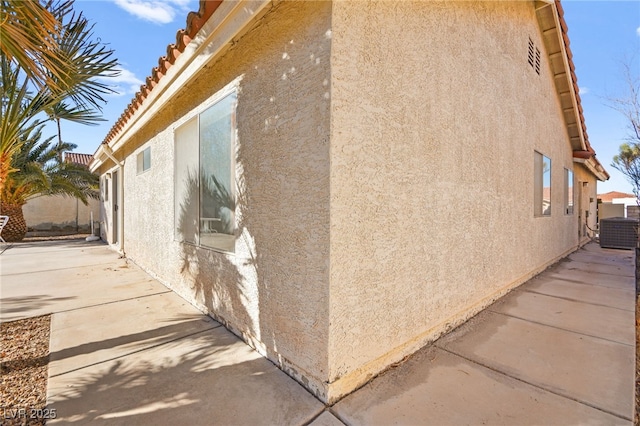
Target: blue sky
<point>602,34</point>
<point>139,32</point>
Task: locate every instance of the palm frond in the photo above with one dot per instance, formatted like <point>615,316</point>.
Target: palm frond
<point>28,32</point>
<point>63,111</point>
<point>51,46</point>
<point>87,62</point>
<point>18,108</point>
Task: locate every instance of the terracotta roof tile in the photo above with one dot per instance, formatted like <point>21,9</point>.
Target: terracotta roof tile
<point>609,196</point>
<point>76,158</point>
<point>195,21</point>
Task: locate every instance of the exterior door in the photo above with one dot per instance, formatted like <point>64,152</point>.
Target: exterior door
<point>581,218</point>
<point>114,212</point>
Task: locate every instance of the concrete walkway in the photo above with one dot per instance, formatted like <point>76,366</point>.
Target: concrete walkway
<point>125,350</point>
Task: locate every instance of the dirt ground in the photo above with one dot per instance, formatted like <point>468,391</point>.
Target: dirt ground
<point>24,364</point>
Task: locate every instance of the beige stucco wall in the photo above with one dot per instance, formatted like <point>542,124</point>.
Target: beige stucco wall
<point>385,165</point>
<point>273,291</point>
<point>60,214</point>
<point>435,118</point>
<point>606,210</point>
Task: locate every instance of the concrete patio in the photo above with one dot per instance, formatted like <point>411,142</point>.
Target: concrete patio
<point>124,349</point>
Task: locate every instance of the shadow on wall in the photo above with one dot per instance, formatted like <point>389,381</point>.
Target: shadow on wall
<point>218,282</point>
<point>264,293</point>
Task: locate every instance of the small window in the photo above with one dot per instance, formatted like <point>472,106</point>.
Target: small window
<point>568,191</point>
<point>144,160</point>
<point>105,187</point>
<point>542,185</point>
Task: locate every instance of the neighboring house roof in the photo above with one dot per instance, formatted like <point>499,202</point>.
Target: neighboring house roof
<point>554,28</point>
<point>81,159</point>
<point>609,196</point>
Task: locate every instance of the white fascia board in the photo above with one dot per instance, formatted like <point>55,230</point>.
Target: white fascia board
<point>98,159</point>
<point>592,166</point>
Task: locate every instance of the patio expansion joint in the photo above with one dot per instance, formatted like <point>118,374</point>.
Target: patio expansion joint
<point>569,299</point>
<point>606,260</point>
<point>560,278</point>
<point>19,246</point>
<point>52,270</point>
<point>502,373</point>
<point>326,409</point>
<point>606,274</point>
<point>137,351</point>
<point>47,246</point>
<point>561,329</point>
<point>111,302</point>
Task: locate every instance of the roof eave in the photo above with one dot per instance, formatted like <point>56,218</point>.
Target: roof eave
<point>227,20</point>
<point>554,30</point>
<point>594,166</point>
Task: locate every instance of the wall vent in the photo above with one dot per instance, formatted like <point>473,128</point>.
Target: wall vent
<point>533,56</point>
<point>531,52</point>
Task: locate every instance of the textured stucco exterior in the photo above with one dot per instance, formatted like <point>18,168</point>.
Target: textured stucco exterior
<point>273,291</point>
<point>385,175</point>
<point>433,134</point>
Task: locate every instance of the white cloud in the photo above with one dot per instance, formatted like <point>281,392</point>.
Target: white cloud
<point>584,90</point>
<point>125,84</point>
<point>638,31</point>
<point>156,11</point>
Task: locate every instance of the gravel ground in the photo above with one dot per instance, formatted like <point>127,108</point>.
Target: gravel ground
<point>24,360</point>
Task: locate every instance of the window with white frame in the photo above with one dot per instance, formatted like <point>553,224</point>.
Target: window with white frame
<point>542,185</point>
<point>205,177</point>
<point>568,191</point>
<point>144,160</point>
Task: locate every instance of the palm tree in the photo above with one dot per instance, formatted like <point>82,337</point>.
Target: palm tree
<point>40,173</point>
<point>71,89</point>
<point>18,109</point>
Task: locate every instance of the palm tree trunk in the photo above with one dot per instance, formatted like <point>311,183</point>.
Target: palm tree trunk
<point>59,140</point>
<point>16,228</point>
